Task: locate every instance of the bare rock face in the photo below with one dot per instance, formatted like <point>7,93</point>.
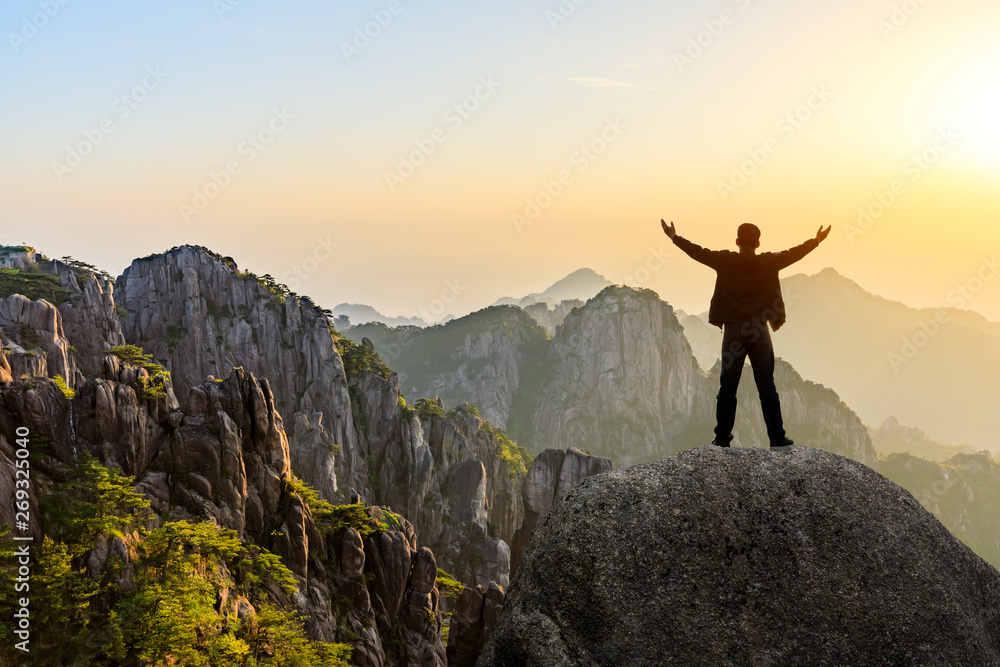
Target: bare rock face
<point>475,617</point>
<point>551,318</point>
<point>552,475</point>
<point>91,321</point>
<point>229,459</point>
<point>447,474</point>
<point>36,343</point>
<point>621,380</point>
<point>741,557</point>
<point>198,313</point>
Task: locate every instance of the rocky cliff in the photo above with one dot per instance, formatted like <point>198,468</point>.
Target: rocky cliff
<point>744,557</point>
<point>485,358</point>
<point>223,456</point>
<point>620,381</point>
<point>617,378</point>
<point>199,315</point>
<point>218,448</point>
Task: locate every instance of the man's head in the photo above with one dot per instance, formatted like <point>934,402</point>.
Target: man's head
<point>748,236</point>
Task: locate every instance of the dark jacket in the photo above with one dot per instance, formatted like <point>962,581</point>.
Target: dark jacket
<point>746,287</point>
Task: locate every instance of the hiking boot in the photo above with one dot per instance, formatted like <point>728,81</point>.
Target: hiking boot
<point>722,442</point>
<point>778,445</point>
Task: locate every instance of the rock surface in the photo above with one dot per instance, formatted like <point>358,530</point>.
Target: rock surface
<point>746,557</point>
<point>199,315</point>
<point>551,476</point>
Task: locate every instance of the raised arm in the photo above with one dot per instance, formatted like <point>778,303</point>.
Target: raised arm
<point>792,255</point>
<point>693,250</point>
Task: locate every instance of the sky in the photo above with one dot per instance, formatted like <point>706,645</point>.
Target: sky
<point>422,156</point>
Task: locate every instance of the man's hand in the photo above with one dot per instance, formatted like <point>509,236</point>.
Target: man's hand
<point>669,231</point>
<point>822,234</point>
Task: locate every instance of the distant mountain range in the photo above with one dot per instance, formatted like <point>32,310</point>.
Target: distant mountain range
<point>581,285</point>
<point>933,368</point>
<point>359,313</point>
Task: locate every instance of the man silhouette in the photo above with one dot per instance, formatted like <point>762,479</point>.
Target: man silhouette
<point>747,297</point>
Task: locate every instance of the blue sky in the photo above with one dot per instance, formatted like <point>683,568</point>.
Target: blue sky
<point>895,80</point>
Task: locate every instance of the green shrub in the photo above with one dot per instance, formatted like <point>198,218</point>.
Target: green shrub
<point>166,613</point>
<point>34,284</point>
<point>449,586</point>
<point>134,355</point>
<point>61,383</point>
<point>427,407</point>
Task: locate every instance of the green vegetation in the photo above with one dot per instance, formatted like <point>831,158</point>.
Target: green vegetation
<point>154,601</point>
<point>133,354</point>
<point>357,516</point>
<point>61,383</point>
<point>15,249</point>
<point>82,270</point>
<point>448,585</point>
<point>322,511</point>
<point>517,458</point>
<point>359,360</point>
<point>174,334</point>
<point>34,284</point>
<point>427,407</point>
<point>29,338</point>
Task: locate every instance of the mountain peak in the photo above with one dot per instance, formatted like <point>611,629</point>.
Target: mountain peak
<point>581,284</point>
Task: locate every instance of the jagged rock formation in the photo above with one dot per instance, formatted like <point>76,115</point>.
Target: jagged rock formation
<point>731,556</point>
<point>198,315</point>
<point>618,379</point>
<point>91,320</point>
<point>475,617</point>
<point>621,380</point>
<point>454,476</point>
<point>221,452</point>
<point>551,476</point>
<point>551,317</point>
<point>224,456</point>
<point>485,358</point>
<point>18,257</point>
<point>33,338</point>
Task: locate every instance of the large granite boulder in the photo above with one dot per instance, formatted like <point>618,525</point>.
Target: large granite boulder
<point>746,557</point>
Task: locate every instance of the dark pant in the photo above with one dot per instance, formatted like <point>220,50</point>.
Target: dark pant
<point>739,341</point>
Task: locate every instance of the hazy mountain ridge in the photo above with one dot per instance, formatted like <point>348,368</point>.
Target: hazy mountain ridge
<point>580,285</point>
<point>618,378</point>
<point>963,493</point>
<point>359,313</point>
<point>891,437</point>
<point>922,366</point>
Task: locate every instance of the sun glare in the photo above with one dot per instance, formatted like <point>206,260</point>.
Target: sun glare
<point>976,112</point>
